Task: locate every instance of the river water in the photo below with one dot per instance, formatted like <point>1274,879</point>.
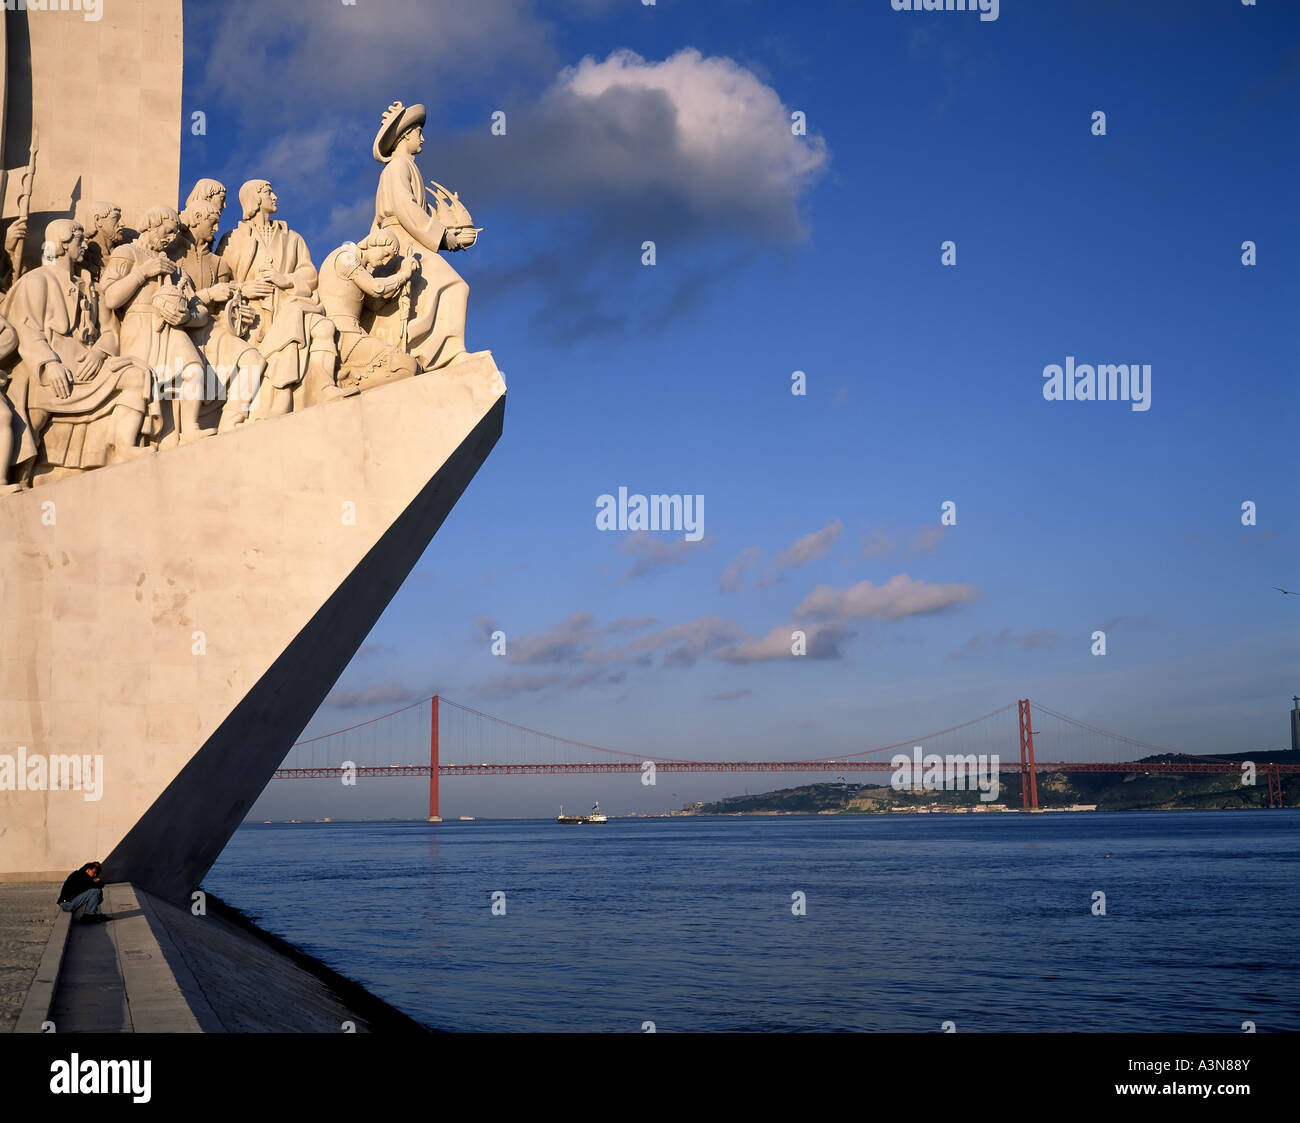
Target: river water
<point>987,921</point>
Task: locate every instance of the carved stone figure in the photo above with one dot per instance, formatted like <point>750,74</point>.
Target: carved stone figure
<point>103,225</point>
<point>11,263</point>
<point>8,419</point>
<point>348,286</point>
<point>159,310</point>
<point>71,376</point>
<point>430,320</point>
<point>124,339</point>
<point>210,191</point>
<point>235,364</point>
<point>274,270</point>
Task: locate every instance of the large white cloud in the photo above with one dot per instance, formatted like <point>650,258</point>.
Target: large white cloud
<point>728,146</point>
<point>699,140</point>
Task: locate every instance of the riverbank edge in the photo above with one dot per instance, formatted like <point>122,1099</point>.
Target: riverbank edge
<point>382,1016</point>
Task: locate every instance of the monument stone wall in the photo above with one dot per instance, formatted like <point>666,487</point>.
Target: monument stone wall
<point>105,97</point>
<point>183,616</point>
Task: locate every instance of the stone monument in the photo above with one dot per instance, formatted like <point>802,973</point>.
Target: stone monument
<point>216,466</point>
<point>102,100</point>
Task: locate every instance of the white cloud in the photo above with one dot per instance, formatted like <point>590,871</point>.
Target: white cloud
<point>384,693</point>
<point>728,143</point>
<point>811,547</point>
<point>819,642</point>
<point>277,58</point>
<point>898,598</point>
<point>699,144</point>
<point>732,579</point>
<point>655,554</point>
<point>685,643</point>
<point>574,639</point>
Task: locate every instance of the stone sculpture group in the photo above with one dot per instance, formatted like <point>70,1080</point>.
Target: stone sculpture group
<point>112,349</point>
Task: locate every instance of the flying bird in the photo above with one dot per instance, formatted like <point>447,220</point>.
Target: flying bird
<point>1288,592</point>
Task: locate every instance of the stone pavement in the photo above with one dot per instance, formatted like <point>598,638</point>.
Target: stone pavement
<point>27,913</point>
<point>90,997</point>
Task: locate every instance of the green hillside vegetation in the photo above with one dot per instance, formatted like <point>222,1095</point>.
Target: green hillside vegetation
<point>1109,791</point>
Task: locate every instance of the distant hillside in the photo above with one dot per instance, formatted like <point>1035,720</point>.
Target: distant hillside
<point>1129,791</point>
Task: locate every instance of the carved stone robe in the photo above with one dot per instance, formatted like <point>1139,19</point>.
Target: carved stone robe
<point>165,349</point>
<point>438,294</point>
<point>365,360</point>
<point>58,318</point>
<point>286,320</point>
<point>224,350</point>
<point>8,344</point>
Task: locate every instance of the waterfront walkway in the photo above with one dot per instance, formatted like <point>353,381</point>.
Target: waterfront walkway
<point>158,969</point>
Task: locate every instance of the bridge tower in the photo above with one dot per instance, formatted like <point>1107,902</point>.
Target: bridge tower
<point>1028,775</point>
<point>434,817</point>
<point>1274,785</point>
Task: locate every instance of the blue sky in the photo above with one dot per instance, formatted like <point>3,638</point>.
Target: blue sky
<point>821,253</point>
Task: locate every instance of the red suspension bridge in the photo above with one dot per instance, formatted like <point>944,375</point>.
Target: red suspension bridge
<point>461,741</point>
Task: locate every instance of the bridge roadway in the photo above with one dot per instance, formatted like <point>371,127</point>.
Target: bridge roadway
<point>489,769</point>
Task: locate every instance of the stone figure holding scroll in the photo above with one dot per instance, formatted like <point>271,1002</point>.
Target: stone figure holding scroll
<point>160,309</point>
<point>76,396</point>
<point>430,324</point>
<point>274,270</point>
<point>348,286</point>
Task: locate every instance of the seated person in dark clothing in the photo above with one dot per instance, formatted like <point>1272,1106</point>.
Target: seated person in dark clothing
<point>83,892</point>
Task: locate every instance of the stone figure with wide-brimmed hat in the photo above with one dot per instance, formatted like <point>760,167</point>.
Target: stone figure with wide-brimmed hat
<point>428,320</point>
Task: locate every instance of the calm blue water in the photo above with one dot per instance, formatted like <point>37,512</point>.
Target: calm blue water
<point>982,920</point>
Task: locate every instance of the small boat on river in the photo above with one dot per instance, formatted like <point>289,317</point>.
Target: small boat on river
<point>596,816</point>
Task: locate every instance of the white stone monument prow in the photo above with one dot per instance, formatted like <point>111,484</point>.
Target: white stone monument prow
<point>181,617</point>
<point>173,608</point>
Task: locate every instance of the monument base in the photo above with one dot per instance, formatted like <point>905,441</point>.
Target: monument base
<point>171,624</point>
